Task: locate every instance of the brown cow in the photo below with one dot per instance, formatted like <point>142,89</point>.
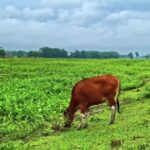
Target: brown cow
<point>93,91</point>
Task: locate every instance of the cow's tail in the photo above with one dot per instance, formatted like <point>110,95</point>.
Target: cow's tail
<point>116,97</point>
<point>118,106</point>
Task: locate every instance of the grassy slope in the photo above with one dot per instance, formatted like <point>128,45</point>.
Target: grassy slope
<point>130,131</point>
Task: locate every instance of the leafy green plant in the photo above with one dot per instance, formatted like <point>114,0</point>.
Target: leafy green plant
<point>35,92</point>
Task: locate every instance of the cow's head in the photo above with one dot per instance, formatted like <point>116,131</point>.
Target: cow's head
<point>66,113</point>
<point>68,118</point>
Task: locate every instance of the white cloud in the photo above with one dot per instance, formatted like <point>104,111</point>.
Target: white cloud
<point>62,3</point>
<point>37,13</point>
<point>125,15</point>
<point>76,24</point>
<point>26,13</point>
<point>9,12</point>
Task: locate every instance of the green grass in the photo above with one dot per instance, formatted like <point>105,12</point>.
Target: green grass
<point>35,92</point>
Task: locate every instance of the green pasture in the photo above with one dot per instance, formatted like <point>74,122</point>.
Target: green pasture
<point>35,92</point>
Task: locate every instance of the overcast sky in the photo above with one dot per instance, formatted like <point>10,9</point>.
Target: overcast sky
<point>121,25</point>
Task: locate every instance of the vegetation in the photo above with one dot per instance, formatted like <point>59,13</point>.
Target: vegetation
<point>35,92</point>
<point>2,52</point>
<point>130,55</point>
<point>137,54</point>
<point>147,56</point>
<point>94,54</point>
<point>47,52</point>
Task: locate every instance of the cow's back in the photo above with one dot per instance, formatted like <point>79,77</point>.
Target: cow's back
<point>95,90</point>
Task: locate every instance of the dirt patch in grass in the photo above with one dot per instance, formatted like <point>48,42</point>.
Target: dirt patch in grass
<point>116,143</point>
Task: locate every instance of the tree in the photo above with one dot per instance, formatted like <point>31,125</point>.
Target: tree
<point>147,56</point>
<point>83,54</point>
<point>94,54</point>
<point>21,53</point>
<point>2,52</point>
<point>136,54</point>
<point>47,52</point>
<point>76,54</point>
<point>130,55</point>
<point>34,54</point>
<point>110,54</point>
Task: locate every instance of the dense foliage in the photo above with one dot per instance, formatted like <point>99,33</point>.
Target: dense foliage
<point>35,92</point>
<point>2,52</point>
<point>94,54</point>
<point>47,52</point>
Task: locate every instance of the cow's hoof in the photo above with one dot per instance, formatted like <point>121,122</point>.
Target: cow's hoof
<point>67,126</point>
<point>82,127</point>
<point>85,126</point>
<point>79,127</point>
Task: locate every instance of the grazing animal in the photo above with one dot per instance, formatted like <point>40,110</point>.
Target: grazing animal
<point>93,91</point>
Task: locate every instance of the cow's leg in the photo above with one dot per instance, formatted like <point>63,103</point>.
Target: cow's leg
<point>112,105</point>
<point>84,116</point>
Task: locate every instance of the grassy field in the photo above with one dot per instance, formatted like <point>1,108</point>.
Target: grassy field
<point>35,92</point>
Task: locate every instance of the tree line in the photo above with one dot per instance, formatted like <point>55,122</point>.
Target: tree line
<point>47,52</point>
